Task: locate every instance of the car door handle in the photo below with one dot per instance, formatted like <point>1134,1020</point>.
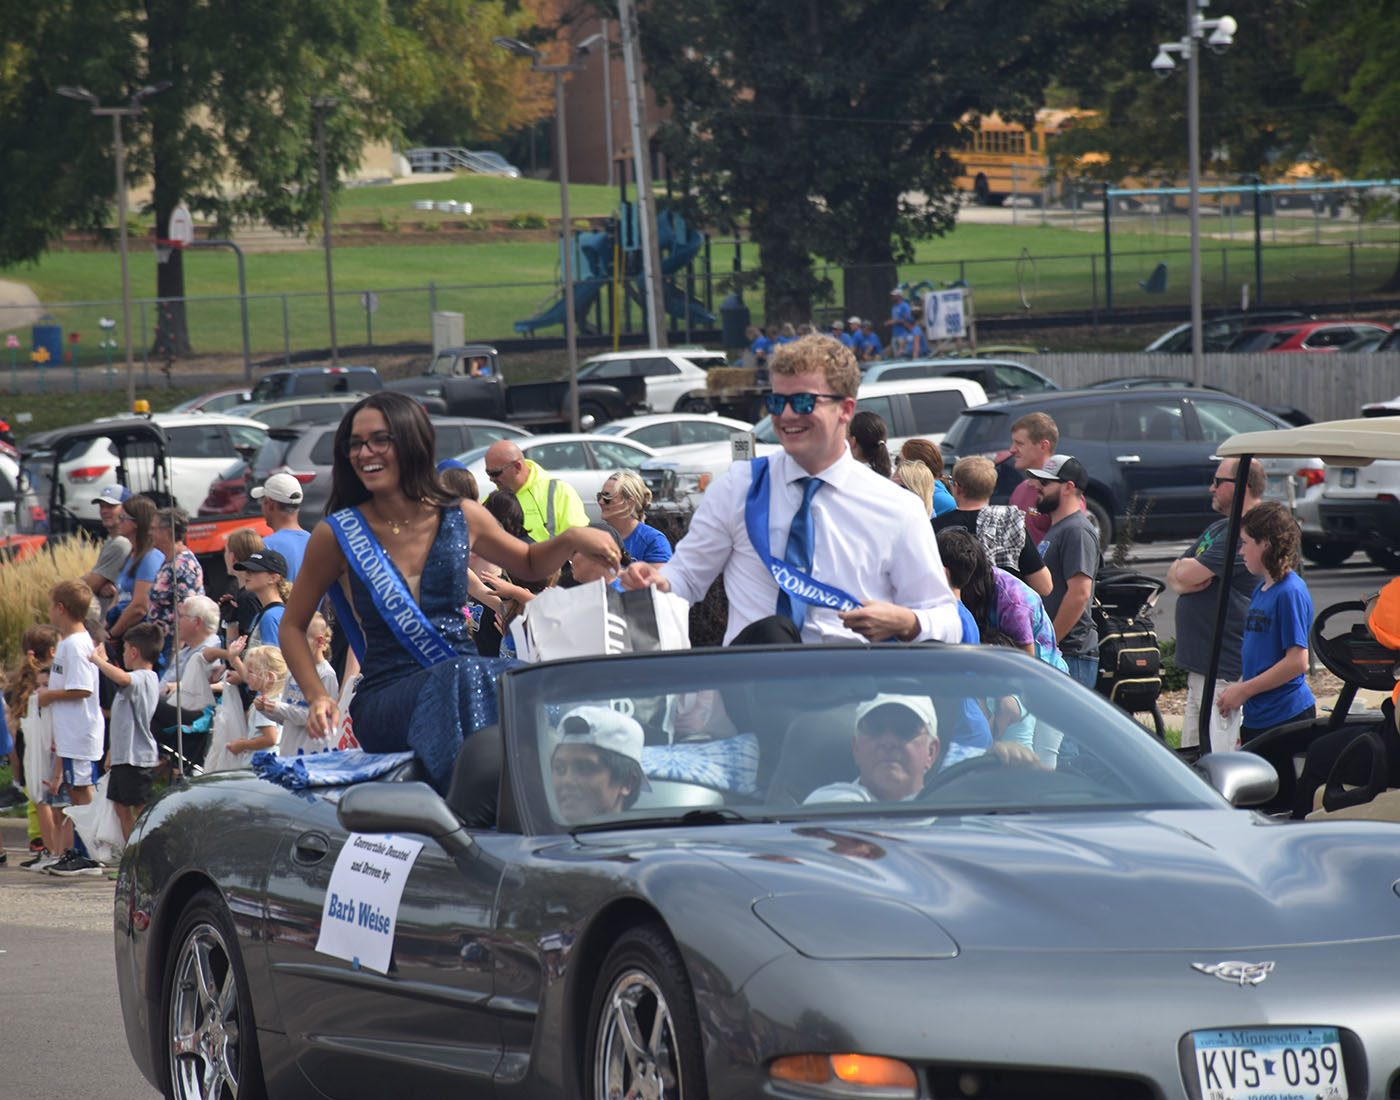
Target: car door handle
<point>310,848</point>
<point>1127,460</point>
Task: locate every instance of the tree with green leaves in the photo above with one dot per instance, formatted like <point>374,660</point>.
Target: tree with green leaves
<point>234,135</point>
<point>1358,63</point>
<point>1257,118</point>
<point>815,120</point>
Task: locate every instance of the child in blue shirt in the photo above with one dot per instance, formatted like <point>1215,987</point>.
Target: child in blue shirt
<point>1272,688</point>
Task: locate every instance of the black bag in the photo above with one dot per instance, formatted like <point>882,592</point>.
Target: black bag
<point>1130,664</point>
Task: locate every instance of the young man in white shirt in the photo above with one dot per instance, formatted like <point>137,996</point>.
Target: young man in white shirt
<point>872,550</point>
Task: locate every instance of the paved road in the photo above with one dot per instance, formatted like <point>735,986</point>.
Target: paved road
<point>61,1033</point>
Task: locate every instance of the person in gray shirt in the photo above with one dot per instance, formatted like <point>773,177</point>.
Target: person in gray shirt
<point>115,549</point>
<point>1071,552</point>
<point>1195,578</point>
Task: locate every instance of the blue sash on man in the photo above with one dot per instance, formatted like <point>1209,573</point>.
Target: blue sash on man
<point>796,587</point>
<point>392,599</point>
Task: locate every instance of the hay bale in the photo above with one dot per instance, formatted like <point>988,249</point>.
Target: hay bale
<point>720,381</point>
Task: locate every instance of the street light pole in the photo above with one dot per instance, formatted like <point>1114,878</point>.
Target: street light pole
<point>82,95</point>
<point>321,104</point>
<point>521,49</point>
<point>1222,34</point>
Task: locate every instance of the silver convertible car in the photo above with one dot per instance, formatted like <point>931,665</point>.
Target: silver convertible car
<point>790,872</point>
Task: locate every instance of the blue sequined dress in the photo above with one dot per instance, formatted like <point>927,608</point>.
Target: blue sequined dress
<point>399,704</point>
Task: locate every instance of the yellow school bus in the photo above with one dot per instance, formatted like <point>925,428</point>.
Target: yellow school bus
<point>1006,159</point>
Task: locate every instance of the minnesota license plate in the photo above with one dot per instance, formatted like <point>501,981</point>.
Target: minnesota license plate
<point>1349,478</point>
<point>1283,1063</point>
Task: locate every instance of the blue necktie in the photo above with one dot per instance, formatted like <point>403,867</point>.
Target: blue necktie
<point>801,535</point>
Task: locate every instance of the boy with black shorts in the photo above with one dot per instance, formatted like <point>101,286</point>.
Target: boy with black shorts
<point>77,719</point>
<point>133,755</point>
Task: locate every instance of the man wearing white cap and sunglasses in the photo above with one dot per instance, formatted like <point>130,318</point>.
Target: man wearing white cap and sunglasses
<point>281,506</point>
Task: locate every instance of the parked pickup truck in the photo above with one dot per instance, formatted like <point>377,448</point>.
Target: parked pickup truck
<point>466,381</point>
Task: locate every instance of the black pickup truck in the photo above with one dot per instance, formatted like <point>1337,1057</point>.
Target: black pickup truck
<point>466,381</point>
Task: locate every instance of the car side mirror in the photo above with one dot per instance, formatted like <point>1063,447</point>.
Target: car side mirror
<point>403,808</point>
<point>1241,778</point>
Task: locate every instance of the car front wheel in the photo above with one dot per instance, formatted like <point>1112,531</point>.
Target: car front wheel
<point>644,1035</point>
<point>210,1039</point>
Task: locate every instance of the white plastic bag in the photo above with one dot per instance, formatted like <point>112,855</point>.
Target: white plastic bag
<point>97,823</point>
<point>594,618</point>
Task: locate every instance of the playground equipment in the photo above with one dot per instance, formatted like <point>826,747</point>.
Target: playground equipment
<point>609,262</point>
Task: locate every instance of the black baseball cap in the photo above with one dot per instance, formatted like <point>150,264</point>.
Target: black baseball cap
<point>263,561</point>
<point>1063,468</point>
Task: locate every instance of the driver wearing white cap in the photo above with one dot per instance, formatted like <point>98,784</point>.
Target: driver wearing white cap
<point>895,746</point>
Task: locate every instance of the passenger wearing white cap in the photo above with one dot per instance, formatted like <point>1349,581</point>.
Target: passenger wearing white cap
<point>115,549</point>
<point>597,763</point>
<point>895,746</point>
<point>281,507</point>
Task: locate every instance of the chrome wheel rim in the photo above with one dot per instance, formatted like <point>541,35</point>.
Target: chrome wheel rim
<point>204,1022</point>
<point>636,1057</point>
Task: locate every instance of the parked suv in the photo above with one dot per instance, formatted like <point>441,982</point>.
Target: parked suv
<point>1000,379</point>
<point>672,374</point>
<point>912,407</point>
<point>201,446</point>
<point>1155,445</point>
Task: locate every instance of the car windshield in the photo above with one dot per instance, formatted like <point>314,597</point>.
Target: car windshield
<point>823,732</point>
<point>979,432</point>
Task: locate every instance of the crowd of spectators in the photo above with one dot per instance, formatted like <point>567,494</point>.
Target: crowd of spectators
<point>140,664</point>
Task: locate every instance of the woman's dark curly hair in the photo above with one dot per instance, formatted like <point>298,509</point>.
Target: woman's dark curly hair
<point>868,430</point>
<point>1272,523</point>
<point>970,572</point>
<point>415,447</point>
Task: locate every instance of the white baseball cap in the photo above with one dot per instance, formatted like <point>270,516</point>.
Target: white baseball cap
<point>283,488</point>
<point>920,705</point>
<point>604,728</point>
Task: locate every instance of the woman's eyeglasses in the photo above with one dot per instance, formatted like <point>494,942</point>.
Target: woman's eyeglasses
<point>376,444</point>
<point>802,403</point>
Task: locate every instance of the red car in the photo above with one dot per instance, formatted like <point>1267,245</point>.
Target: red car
<point>1306,336</point>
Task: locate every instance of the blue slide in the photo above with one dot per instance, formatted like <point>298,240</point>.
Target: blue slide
<point>678,244</point>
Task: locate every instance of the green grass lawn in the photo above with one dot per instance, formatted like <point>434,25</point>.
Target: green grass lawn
<point>1012,269</point>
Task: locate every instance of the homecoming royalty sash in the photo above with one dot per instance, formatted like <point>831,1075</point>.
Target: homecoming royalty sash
<point>392,599</point>
<point>789,579</point>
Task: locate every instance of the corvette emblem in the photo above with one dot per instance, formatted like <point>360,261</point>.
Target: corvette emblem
<point>1241,973</point>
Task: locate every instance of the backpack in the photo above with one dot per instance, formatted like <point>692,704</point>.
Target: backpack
<point>1130,664</point>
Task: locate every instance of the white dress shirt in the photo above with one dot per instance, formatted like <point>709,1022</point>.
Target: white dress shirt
<point>872,540</point>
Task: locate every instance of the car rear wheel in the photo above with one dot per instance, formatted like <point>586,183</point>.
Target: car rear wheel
<point>643,1033</point>
<point>207,1011</point>
<point>694,405</point>
<point>1327,555</point>
<point>1382,557</point>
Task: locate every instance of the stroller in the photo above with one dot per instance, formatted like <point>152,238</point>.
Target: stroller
<point>1130,664</point>
<point>1353,757</point>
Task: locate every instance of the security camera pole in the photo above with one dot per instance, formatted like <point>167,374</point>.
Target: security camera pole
<point>520,49</point>
<point>1222,34</point>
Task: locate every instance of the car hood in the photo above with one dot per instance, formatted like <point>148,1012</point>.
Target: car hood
<point>1155,880</point>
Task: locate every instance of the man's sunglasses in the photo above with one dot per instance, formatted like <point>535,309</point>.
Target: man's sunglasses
<point>802,403</point>
<point>493,474</point>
